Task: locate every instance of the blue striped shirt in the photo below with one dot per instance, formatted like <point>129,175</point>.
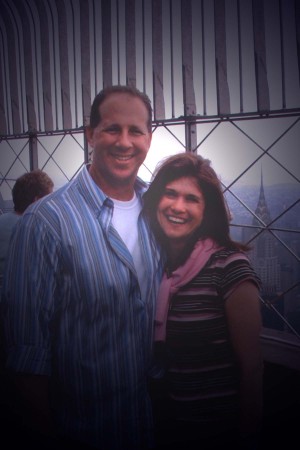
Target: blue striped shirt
<point>74,311</point>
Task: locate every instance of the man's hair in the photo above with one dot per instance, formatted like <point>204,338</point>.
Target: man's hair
<point>95,117</point>
<point>30,187</point>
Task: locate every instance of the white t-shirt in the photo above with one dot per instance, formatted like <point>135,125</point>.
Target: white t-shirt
<point>124,220</point>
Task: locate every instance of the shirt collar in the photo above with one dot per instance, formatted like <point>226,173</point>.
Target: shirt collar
<point>95,196</point>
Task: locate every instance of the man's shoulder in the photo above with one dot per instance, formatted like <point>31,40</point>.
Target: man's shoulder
<point>50,207</point>
<point>60,195</point>
<point>9,218</point>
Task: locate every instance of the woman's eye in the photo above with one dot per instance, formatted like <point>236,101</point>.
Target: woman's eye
<point>193,199</point>
<point>170,194</point>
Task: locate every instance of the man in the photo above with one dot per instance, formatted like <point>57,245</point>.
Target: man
<point>28,188</point>
<point>84,324</point>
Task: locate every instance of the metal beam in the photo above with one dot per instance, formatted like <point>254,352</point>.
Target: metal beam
<point>262,87</point>
<point>157,52</point>
<point>187,75</point>
<point>130,43</point>
<point>223,99</point>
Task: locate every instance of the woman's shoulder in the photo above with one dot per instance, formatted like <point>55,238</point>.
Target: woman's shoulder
<point>226,255</point>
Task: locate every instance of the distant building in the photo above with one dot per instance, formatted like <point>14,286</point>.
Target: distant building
<point>265,259</point>
<point>264,254</point>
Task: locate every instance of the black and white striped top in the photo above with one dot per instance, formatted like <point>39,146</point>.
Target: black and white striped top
<point>202,376</point>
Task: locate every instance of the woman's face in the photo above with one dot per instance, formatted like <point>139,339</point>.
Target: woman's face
<point>180,210</point>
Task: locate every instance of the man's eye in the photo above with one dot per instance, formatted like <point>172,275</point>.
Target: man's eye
<point>136,132</point>
<point>111,130</point>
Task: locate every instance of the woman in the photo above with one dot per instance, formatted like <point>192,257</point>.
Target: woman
<point>208,318</point>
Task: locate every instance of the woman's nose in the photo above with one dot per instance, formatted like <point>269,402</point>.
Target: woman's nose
<point>178,205</point>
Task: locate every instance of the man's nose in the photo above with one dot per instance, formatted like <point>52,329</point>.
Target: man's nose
<point>124,139</point>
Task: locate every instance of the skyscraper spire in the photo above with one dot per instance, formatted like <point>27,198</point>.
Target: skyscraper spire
<point>264,252</point>
<point>262,210</point>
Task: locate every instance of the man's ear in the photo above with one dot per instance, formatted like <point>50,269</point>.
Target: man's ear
<point>89,132</point>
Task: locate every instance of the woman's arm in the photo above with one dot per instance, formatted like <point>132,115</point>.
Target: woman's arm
<point>244,322</point>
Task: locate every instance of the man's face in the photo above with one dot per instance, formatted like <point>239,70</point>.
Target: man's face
<point>120,141</point>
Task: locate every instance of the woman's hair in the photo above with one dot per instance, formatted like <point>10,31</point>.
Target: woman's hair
<point>216,218</point>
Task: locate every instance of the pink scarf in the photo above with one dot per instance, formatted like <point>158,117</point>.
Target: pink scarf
<point>181,276</point>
